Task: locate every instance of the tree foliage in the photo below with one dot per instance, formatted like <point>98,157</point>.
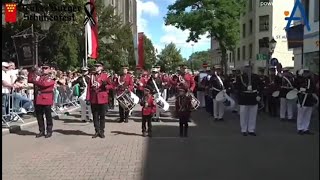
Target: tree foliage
<point>149,53</point>
<point>219,18</point>
<point>198,58</point>
<point>170,58</point>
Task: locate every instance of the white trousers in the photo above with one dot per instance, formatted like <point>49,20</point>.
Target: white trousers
<point>200,97</point>
<point>303,117</point>
<point>248,117</point>
<point>236,106</point>
<point>286,106</point>
<point>84,108</point>
<point>218,109</point>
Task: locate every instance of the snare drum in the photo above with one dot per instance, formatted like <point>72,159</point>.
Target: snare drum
<point>292,95</point>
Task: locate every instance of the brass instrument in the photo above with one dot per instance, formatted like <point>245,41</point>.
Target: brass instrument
<point>94,83</point>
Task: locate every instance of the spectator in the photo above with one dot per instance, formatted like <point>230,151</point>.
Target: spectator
<point>6,86</point>
<point>21,102</point>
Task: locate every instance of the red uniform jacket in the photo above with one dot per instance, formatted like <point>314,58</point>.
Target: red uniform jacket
<point>128,83</point>
<point>174,81</point>
<point>99,95</point>
<point>183,106</point>
<point>45,86</point>
<point>144,81</point>
<point>189,81</point>
<point>150,107</point>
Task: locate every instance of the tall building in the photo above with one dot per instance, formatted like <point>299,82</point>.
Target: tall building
<point>127,10</point>
<point>262,21</point>
<point>308,55</point>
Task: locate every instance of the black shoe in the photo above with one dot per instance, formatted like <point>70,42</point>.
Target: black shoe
<point>144,134</point>
<point>101,135</point>
<point>120,121</point>
<point>126,121</point>
<point>90,120</point>
<point>234,111</point>
<point>216,119</point>
<point>48,135</point>
<point>221,119</point>
<point>244,134</point>
<point>96,135</point>
<point>252,134</point>
<point>300,132</point>
<point>84,121</point>
<point>41,134</point>
<point>150,134</point>
<point>308,132</point>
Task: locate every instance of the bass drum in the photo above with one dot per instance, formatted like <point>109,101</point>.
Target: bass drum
<point>220,97</point>
<point>162,104</point>
<point>292,95</point>
<point>134,97</point>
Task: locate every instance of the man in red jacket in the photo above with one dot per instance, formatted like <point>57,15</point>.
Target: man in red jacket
<point>148,109</point>
<point>186,79</point>
<point>44,85</point>
<point>98,95</point>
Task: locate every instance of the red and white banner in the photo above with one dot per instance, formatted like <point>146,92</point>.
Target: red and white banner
<point>92,34</point>
<point>141,50</point>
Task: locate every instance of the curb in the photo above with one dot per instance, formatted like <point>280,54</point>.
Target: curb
<point>20,127</point>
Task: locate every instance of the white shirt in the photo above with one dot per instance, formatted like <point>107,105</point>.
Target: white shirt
<point>13,75</point>
<point>6,78</point>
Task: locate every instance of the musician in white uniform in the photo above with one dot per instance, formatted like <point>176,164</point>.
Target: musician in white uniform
<point>285,81</point>
<point>248,85</point>
<point>83,81</point>
<point>217,86</point>
<point>306,100</point>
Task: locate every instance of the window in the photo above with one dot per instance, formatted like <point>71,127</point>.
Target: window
<point>250,51</point>
<point>316,10</point>
<point>263,43</point>
<point>264,23</point>
<point>250,5</point>
<point>243,53</point>
<point>243,30</point>
<point>238,54</point>
<point>250,26</point>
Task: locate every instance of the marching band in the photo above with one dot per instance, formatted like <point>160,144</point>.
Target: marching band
<point>242,92</point>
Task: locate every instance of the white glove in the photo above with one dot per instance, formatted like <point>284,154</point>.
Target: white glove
<point>302,89</point>
<point>249,88</point>
<point>224,90</point>
<point>258,98</point>
<point>37,78</point>
<point>146,104</point>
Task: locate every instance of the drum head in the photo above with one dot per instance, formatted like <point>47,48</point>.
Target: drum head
<point>275,94</point>
<point>292,94</point>
<point>134,97</point>
<point>220,96</point>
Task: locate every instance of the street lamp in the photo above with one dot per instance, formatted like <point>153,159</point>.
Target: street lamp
<point>272,46</point>
<point>45,26</point>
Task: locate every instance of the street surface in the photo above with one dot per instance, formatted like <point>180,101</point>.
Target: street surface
<point>213,151</point>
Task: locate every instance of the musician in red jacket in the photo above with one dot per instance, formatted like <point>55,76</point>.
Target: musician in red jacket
<point>183,110</point>
<point>44,85</point>
<point>148,109</point>
<point>98,95</point>
<point>125,83</point>
<point>186,79</point>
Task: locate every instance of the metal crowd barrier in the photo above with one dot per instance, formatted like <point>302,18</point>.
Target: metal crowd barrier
<point>17,104</point>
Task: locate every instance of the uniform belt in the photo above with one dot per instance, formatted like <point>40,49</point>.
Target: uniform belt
<point>254,91</point>
<point>285,87</point>
<point>45,92</point>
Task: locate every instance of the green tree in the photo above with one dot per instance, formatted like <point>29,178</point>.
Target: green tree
<point>218,18</point>
<point>198,58</point>
<point>149,53</point>
<point>170,58</point>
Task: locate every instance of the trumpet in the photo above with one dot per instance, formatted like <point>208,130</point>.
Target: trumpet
<point>94,83</point>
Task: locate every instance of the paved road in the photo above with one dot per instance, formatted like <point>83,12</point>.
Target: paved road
<point>214,151</point>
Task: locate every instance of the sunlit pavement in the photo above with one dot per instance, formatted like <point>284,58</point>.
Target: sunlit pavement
<point>213,151</point>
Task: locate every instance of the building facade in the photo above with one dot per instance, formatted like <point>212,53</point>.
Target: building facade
<point>127,10</point>
<point>308,56</point>
<point>216,55</point>
<point>261,21</point>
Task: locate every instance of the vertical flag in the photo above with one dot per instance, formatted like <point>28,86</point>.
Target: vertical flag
<point>10,12</point>
<point>141,50</point>
<point>92,33</point>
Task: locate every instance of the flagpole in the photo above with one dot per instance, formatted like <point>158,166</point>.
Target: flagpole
<point>85,63</point>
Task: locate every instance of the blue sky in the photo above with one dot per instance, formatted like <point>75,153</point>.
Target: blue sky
<point>150,20</point>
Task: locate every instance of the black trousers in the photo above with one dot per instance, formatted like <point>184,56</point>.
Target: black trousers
<point>111,99</point>
<point>98,113</point>
<point>273,105</point>
<point>123,113</point>
<point>146,120</point>
<point>41,111</point>
<point>139,93</point>
<point>209,104</point>
<point>183,125</point>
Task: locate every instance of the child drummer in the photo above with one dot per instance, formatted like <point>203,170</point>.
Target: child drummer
<point>148,109</point>
<point>183,110</point>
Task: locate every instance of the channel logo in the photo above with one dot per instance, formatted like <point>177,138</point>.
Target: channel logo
<point>10,12</point>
